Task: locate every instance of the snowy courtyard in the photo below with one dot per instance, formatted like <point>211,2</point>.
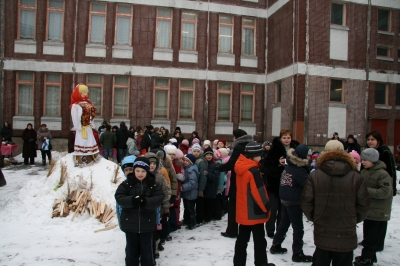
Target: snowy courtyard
<point>29,236</point>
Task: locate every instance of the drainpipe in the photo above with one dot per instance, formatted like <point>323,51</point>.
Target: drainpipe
<point>294,110</point>
<point>367,67</point>
<point>205,127</point>
<point>75,33</point>
<point>306,74</point>
<point>266,78</point>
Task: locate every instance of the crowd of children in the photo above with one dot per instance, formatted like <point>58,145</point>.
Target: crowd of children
<point>204,174</point>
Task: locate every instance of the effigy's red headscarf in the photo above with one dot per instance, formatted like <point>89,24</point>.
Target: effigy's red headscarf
<point>76,96</point>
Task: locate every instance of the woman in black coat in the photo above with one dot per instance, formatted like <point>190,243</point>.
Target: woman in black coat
<point>29,150</point>
<point>6,132</point>
<point>274,165</point>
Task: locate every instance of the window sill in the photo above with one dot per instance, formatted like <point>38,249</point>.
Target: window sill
<point>20,121</point>
<point>186,126</point>
<point>163,54</point>
<point>161,123</point>
<point>188,56</point>
<point>95,50</point>
<point>118,120</point>
<point>275,105</point>
<point>122,52</point>
<point>254,1</point>
<point>53,123</point>
<point>226,59</point>
<point>397,107</point>
<point>248,61</point>
<point>384,107</point>
<point>223,128</point>
<point>384,58</point>
<point>339,27</point>
<point>53,48</point>
<point>249,127</point>
<point>340,105</point>
<point>386,33</point>
<point>25,46</point>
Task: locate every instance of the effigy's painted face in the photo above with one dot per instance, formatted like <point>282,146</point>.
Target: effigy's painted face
<point>84,94</point>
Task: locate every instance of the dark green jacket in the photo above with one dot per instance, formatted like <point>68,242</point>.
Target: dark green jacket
<point>379,184</point>
<point>108,140</point>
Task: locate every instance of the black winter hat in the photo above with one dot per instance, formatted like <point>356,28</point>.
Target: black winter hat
<point>239,133</point>
<point>142,162</point>
<point>208,151</point>
<point>253,149</point>
<point>351,136</point>
<point>301,151</point>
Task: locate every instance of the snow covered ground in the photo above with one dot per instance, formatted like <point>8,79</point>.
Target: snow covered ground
<point>29,236</point>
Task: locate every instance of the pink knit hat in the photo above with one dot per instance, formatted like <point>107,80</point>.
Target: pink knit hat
<point>179,154</point>
<point>185,142</point>
<point>195,140</point>
<point>355,155</point>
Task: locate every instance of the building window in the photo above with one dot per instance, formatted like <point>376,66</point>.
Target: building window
<point>164,23</point>
<point>397,94</point>
<point>123,25</point>
<point>225,34</point>
<point>188,41</point>
<point>278,92</point>
<point>224,101</point>
<point>97,22</point>
<point>247,103</point>
<point>55,15</point>
<point>161,95</point>
<point>186,99</point>
<point>248,38</point>
<point>384,19</point>
<point>27,21</point>
<point>52,90</point>
<point>383,51</point>
<point>338,14</point>
<point>336,91</point>
<point>25,93</point>
<point>380,94</point>
<point>95,85</point>
<point>121,96</point>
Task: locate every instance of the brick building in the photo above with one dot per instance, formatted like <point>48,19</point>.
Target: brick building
<point>210,66</point>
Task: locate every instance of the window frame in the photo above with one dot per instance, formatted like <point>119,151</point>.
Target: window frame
<point>50,9</point>
<point>278,94</point>
<point>26,82</point>
<point>89,85</point>
<point>120,86</point>
<point>183,20</point>
<point>344,13</point>
<point>386,95</point>
<point>384,47</point>
<point>397,98</point>
<point>342,93</point>
<point>255,35</point>
<point>21,6</point>
<point>219,32</point>
<point>390,27</point>
<point>92,12</point>
<point>219,91</point>
<point>252,93</point>
<point>168,89</point>
<point>130,26</point>
<point>181,88</point>
<point>52,83</point>
<point>170,27</point>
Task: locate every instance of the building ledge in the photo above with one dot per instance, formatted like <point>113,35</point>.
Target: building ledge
<point>249,127</point>
<point>20,121</point>
<point>339,27</point>
<point>340,105</point>
<point>163,54</point>
<point>386,33</point>
<point>53,48</point>
<point>122,52</point>
<point>186,126</point>
<point>161,123</point>
<point>188,56</point>
<point>384,58</point>
<point>95,50</point>
<point>25,46</point>
<point>53,123</point>
<point>223,128</point>
<point>248,61</point>
<point>226,59</point>
<point>384,107</point>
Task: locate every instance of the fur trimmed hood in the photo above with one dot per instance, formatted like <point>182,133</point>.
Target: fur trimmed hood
<point>278,149</point>
<point>336,163</point>
<point>242,139</point>
<point>297,161</point>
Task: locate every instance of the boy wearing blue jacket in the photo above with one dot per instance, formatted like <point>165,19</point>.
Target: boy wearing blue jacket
<point>189,189</point>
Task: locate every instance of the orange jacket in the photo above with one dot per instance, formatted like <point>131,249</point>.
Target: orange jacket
<point>251,196</point>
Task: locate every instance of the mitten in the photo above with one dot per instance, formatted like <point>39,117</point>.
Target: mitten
<point>165,217</point>
<point>136,201</point>
<point>180,177</point>
<point>201,194</point>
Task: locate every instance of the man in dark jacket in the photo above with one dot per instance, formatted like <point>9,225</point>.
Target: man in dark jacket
<point>241,139</point>
<point>108,140</point>
<point>146,139</point>
<point>335,198</point>
<point>122,137</point>
<point>352,144</point>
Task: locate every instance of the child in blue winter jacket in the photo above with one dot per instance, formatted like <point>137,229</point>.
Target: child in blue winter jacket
<point>189,189</point>
<point>212,206</point>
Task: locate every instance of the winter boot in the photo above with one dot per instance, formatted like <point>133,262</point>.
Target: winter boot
<point>360,259</point>
<point>277,249</point>
<point>44,162</point>
<point>300,257</point>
